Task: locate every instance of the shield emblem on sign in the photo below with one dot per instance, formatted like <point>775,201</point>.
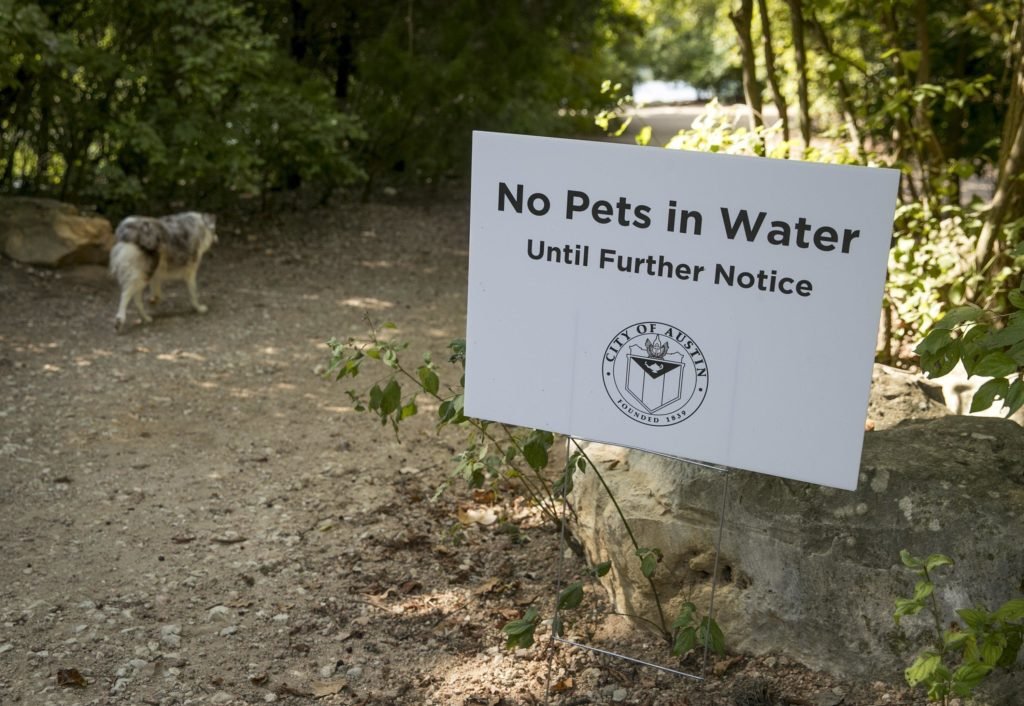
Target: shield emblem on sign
<point>654,382</point>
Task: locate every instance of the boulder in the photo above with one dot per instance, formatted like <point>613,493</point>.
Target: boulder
<point>53,234</point>
<point>812,572</point>
<point>897,395</point>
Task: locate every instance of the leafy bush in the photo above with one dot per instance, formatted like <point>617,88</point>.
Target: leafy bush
<point>135,107</point>
<point>961,656</point>
<point>987,344</point>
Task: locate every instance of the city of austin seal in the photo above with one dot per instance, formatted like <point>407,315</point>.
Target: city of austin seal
<point>655,374</point>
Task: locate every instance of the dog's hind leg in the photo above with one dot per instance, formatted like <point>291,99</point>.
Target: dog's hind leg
<point>193,292</point>
<point>154,291</point>
<point>122,309</point>
<point>131,292</point>
<point>137,298</point>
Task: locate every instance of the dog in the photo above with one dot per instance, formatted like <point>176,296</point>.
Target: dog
<point>151,250</point>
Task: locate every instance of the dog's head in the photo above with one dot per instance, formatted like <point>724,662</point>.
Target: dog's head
<point>207,229</point>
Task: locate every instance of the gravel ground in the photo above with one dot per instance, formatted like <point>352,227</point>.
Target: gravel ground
<point>193,515</point>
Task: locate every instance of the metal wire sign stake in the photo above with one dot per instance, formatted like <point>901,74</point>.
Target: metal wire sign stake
<point>560,583</point>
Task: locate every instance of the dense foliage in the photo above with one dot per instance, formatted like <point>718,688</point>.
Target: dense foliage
<point>144,105</point>
<point>935,89</point>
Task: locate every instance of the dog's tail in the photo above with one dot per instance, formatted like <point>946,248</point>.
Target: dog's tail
<point>130,265</point>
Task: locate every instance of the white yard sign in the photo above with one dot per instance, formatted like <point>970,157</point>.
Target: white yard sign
<point>704,306</point>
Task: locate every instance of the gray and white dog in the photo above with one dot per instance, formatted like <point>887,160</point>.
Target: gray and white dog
<point>151,250</point>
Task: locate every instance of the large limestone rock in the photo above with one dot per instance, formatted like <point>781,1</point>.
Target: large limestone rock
<point>53,234</point>
<point>812,572</point>
<point>897,395</point>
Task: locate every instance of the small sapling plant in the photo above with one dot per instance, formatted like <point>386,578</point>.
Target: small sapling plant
<point>495,452</point>
<point>961,656</point>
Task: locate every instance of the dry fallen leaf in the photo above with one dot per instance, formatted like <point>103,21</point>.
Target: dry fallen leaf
<point>478,516</point>
<point>562,685</point>
<point>724,665</point>
<point>487,586</point>
<point>71,677</point>
<point>410,586</point>
<point>328,688</point>
<point>484,497</point>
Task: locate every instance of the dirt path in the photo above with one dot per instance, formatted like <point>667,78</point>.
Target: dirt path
<point>192,515</point>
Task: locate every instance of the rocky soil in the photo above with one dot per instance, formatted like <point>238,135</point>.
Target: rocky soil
<point>192,514</point>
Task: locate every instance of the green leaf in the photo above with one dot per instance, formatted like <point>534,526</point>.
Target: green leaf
<point>1013,645</point>
<point>428,379</point>
<point>939,364</point>
<point>409,409</point>
<point>986,395</point>
<point>953,639</point>
<point>458,348</point>
<point>649,559</point>
<point>711,636</point>
<point>993,650</point>
<point>936,340</point>
<point>520,632</point>
<point>391,397</point>
<point>1016,296</point>
<point>376,395</point>
<point>450,411</point>
<point>906,606</point>
<point>536,454</point>
<point>685,617</point>
<point>571,596</point>
<point>975,618</point>
<point>1017,353</point>
<point>996,365</point>
<point>967,677</point>
<point>1009,335</point>
<point>910,561</point>
<point>934,561</point>
<point>959,315</point>
<point>557,626</point>
<point>922,590</point>
<point>686,640</point>
<point>601,569</point>
<point>1010,611</point>
<point>911,58</point>
<point>923,668</point>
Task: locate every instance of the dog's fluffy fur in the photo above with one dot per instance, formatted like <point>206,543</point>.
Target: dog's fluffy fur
<point>151,250</point>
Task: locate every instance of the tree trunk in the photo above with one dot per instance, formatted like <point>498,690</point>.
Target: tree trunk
<point>345,47</point>
<point>741,18</point>
<point>299,44</point>
<point>1006,204</point>
<point>842,88</point>
<point>773,74</point>
<point>796,14</point>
